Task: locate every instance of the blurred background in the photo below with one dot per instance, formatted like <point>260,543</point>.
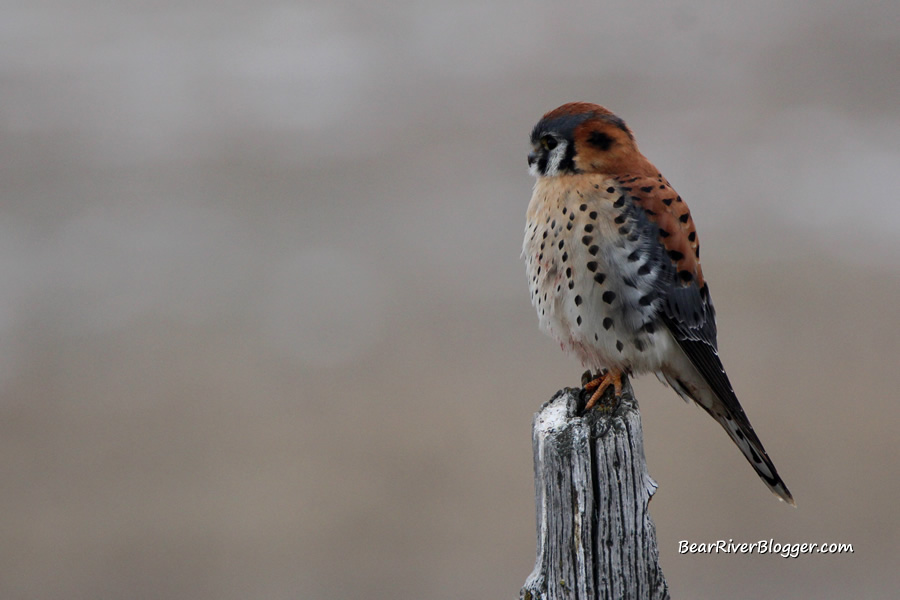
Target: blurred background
<point>265,332</point>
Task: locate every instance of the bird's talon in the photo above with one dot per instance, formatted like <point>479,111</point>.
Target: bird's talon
<point>607,379</point>
<point>589,380</point>
<point>586,378</point>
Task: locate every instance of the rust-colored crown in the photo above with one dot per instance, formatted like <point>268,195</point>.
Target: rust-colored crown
<point>603,143</point>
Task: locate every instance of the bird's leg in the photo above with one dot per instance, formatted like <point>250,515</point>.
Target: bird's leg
<point>600,384</point>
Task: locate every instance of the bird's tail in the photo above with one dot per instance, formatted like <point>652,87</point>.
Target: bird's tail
<point>741,432</point>
<point>729,414</point>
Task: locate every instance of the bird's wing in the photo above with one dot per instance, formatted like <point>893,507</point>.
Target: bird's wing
<point>686,309</point>
<point>684,305</point>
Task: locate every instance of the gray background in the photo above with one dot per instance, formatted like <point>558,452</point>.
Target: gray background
<point>265,333</point>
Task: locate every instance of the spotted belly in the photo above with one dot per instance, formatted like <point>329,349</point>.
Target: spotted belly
<point>593,271</point>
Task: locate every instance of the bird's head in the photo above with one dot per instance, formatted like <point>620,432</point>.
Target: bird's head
<point>583,138</point>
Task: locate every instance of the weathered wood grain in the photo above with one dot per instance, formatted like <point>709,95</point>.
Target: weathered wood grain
<point>595,535</point>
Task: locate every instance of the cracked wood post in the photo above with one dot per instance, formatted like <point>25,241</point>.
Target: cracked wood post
<point>595,535</point>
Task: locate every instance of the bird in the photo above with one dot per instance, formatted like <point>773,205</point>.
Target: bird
<point>613,264</point>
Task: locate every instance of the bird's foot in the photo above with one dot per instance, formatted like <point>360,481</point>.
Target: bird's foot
<point>600,384</point>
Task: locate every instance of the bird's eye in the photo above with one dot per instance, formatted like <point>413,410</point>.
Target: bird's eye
<point>548,142</point>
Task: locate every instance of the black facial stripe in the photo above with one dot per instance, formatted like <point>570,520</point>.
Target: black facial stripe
<point>567,164</point>
<point>542,164</point>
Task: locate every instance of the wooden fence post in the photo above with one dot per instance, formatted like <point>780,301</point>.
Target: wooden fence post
<point>592,490</point>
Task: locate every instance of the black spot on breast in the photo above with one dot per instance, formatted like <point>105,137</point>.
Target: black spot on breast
<point>609,297</point>
<point>624,230</point>
<point>578,320</point>
<point>565,210</point>
<point>620,202</point>
<point>686,276</point>
<point>565,256</point>
<point>610,190</point>
<point>663,233</point>
<point>569,226</point>
<point>649,327</point>
<point>619,345</point>
<point>600,277</point>
<point>662,187</point>
<point>561,244</point>
<point>633,237</point>
<point>594,250</point>
<point>634,256</point>
<point>586,240</point>
<point>644,269</point>
<point>600,140</point>
<point>692,236</point>
<point>646,189</point>
<point>607,323</point>
<point>596,337</point>
<point>620,219</point>
<point>539,270</point>
<point>571,216</point>
<point>646,300</point>
<point>568,271</point>
<point>668,201</point>
<point>592,266</point>
<point>553,224</point>
<point>583,207</point>
<point>684,218</point>
<point>593,214</point>
<point>545,235</point>
<point>577,300</point>
<point>571,284</point>
<point>588,228</point>
<point>675,255</point>
<point>639,345</point>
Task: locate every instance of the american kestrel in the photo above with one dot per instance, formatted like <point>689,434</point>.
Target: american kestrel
<point>613,265</point>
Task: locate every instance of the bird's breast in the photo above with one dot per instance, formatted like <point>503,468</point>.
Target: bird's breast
<point>593,267</point>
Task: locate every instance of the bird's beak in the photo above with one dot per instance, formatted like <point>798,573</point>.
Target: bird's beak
<point>532,158</point>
